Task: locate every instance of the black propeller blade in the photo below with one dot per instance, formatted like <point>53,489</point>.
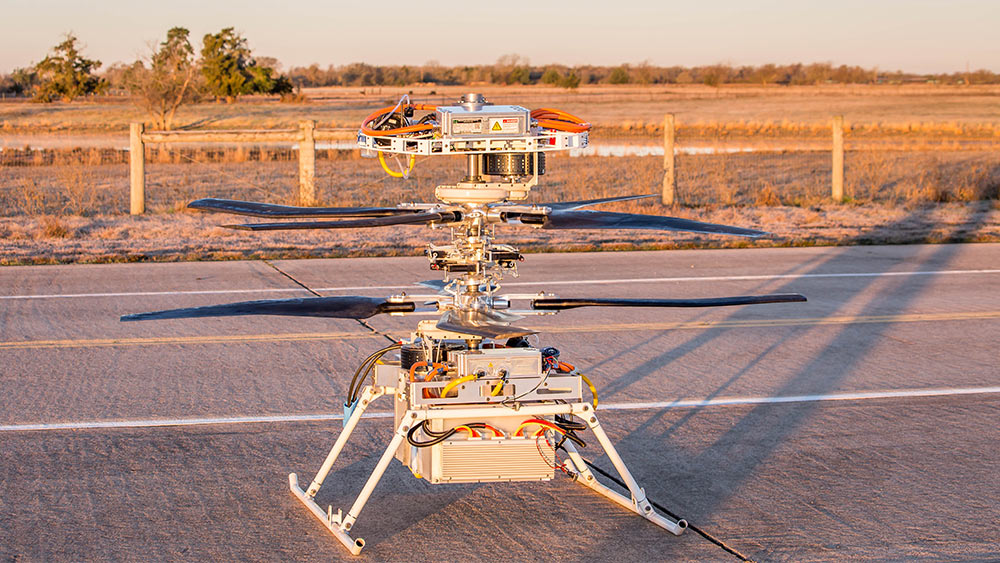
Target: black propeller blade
<point>560,304</point>
<point>341,307</point>
<point>270,210</point>
<point>488,324</point>
<point>421,218</point>
<point>585,219</point>
<point>570,205</point>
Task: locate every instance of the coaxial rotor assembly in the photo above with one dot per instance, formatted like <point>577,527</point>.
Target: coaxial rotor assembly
<point>475,397</point>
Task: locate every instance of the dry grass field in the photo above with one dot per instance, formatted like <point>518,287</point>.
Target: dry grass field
<point>605,106</point>
<point>922,161</point>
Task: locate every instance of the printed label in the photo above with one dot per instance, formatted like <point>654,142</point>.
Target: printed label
<point>465,126</point>
<point>505,125</point>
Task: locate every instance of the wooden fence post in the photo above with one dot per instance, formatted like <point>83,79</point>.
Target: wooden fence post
<point>137,169</point>
<point>307,163</point>
<point>837,189</point>
<point>669,178</point>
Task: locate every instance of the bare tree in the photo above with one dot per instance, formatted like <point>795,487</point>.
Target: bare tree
<point>169,81</point>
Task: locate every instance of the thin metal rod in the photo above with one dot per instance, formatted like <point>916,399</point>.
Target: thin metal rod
<point>376,475</point>
<point>367,396</point>
<point>616,460</point>
<point>475,168</point>
<point>638,503</point>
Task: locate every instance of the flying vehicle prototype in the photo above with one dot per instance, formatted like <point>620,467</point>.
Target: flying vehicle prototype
<point>474,400</point>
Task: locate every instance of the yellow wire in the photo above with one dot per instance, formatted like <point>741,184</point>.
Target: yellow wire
<point>391,172</point>
<point>467,429</point>
<point>592,388</point>
<point>497,389</point>
<point>529,423</point>
<point>456,383</point>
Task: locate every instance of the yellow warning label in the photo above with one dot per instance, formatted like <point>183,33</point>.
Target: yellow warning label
<point>504,125</point>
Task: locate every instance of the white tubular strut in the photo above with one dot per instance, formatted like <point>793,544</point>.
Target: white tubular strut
<point>638,503</point>
<point>338,523</point>
<point>380,468</point>
<point>367,396</point>
<point>329,519</point>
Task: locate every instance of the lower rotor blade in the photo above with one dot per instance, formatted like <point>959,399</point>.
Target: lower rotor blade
<point>342,307</point>
<point>479,323</point>
<point>437,285</point>
<point>569,205</point>
<point>560,304</point>
<point>437,217</point>
<point>585,219</point>
<point>255,209</point>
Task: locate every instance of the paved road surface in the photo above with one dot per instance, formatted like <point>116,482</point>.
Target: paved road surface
<point>886,451</point>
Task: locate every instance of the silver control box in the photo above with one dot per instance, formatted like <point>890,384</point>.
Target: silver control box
<point>484,121</point>
<point>510,362</point>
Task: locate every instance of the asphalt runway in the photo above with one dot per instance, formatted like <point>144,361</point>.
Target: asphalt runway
<point>861,425</point>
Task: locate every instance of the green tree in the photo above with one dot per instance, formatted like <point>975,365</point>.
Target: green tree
<point>619,76</point>
<point>570,81</point>
<point>551,76</point>
<point>66,74</point>
<point>265,80</point>
<point>19,82</point>
<point>519,75</point>
<point>170,80</point>
<point>224,61</point>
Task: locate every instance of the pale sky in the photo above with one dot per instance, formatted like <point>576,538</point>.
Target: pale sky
<point>909,35</point>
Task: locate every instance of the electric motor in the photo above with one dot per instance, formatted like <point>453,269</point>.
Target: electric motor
<point>410,354</point>
<point>513,164</point>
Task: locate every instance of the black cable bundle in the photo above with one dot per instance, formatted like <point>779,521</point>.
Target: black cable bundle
<point>365,368</point>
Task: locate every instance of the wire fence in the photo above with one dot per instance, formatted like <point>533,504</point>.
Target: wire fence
<point>715,164</point>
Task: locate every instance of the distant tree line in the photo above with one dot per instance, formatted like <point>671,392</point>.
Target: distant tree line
<point>512,69</point>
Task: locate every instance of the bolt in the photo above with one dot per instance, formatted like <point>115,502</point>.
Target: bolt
<point>347,526</point>
<point>593,419</point>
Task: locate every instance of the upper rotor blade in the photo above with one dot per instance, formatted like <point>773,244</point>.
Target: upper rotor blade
<point>436,217</point>
<point>570,205</point>
<point>573,219</point>
<point>343,307</point>
<point>560,304</point>
<point>270,210</point>
<point>480,323</point>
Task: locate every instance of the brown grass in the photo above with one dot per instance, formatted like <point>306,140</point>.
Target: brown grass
<point>908,179</point>
<point>603,105</point>
<point>761,179</point>
<point>53,228</point>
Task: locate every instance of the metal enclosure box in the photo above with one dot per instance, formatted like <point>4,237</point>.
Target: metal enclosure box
<point>484,121</point>
<point>516,362</point>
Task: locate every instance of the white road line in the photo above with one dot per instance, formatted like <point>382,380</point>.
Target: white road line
<point>518,284</point>
<point>719,402</point>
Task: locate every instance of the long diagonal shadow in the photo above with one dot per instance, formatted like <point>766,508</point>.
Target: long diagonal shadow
<point>766,427</point>
<point>653,365</point>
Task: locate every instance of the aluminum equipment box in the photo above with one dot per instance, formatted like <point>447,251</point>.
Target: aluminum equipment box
<point>484,121</point>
